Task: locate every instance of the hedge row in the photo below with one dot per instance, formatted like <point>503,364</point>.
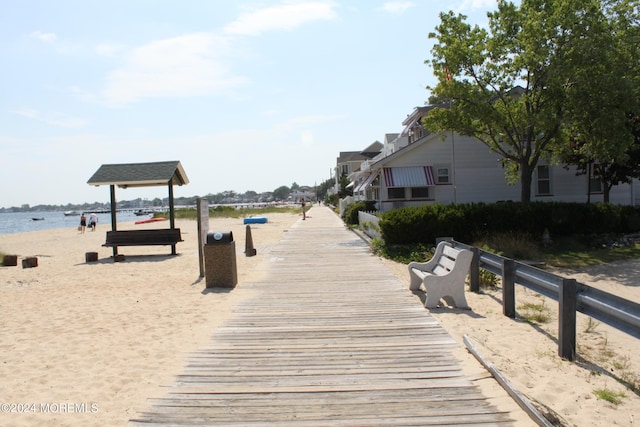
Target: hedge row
<point>467,222</point>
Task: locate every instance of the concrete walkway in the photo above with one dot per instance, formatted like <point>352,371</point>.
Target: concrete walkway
<point>332,339</point>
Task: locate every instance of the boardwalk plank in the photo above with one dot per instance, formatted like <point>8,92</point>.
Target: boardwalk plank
<point>331,338</point>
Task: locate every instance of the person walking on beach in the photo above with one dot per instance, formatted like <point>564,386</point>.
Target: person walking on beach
<point>93,221</point>
<point>304,214</point>
<point>83,223</point>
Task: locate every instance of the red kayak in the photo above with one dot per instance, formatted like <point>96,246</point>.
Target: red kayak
<point>144,221</point>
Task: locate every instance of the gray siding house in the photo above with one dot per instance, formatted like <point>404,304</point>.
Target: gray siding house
<point>417,168</point>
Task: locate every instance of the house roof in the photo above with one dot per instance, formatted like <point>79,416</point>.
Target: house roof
<point>401,152</point>
<point>140,174</point>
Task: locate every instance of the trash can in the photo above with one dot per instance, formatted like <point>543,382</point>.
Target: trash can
<point>220,260</point>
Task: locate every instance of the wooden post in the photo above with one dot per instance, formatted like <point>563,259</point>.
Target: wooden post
<point>10,260</point>
<point>172,214</point>
<point>30,262</point>
<point>203,229</point>
<point>508,288</point>
<point>474,271</point>
<point>114,221</point>
<point>249,250</point>
<point>567,300</point>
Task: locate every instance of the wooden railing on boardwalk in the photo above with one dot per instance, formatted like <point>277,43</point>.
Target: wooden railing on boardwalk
<point>571,295</point>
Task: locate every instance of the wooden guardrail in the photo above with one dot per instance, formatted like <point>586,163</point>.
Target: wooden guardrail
<point>571,295</point>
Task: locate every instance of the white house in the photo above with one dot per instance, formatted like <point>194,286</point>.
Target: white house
<point>419,168</point>
<point>350,161</point>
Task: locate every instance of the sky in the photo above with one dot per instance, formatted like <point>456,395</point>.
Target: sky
<point>247,95</point>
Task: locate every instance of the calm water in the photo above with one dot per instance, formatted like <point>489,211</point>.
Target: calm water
<point>21,222</point>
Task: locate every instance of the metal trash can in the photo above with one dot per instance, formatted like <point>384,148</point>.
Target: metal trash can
<point>220,260</point>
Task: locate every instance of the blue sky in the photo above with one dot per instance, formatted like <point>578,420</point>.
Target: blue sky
<point>248,95</point>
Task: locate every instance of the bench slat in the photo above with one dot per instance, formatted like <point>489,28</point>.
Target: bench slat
<point>440,270</point>
<point>443,276</point>
<point>168,236</point>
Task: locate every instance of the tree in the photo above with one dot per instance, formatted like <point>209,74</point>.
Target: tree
<point>324,187</point>
<point>344,190</point>
<point>507,86</point>
<point>602,93</point>
<point>281,193</point>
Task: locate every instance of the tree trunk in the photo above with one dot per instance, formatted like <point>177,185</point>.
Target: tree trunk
<point>606,191</point>
<point>526,177</point>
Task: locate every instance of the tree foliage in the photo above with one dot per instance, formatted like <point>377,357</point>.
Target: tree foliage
<point>541,74</point>
<point>281,193</point>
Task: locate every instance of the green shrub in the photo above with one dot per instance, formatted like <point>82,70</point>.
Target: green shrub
<point>350,214</point>
<point>466,222</point>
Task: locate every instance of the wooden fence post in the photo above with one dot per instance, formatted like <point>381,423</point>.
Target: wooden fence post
<point>567,300</point>
<point>508,288</point>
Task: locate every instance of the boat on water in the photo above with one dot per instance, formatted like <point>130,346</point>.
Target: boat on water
<point>37,219</point>
<point>141,212</point>
<point>71,213</point>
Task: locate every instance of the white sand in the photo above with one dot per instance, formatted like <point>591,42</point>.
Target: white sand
<point>109,335</point>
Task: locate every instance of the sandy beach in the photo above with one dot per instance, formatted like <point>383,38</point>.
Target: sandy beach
<point>86,344</point>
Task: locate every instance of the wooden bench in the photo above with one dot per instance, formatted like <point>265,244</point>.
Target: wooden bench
<point>443,276</point>
<point>166,236</point>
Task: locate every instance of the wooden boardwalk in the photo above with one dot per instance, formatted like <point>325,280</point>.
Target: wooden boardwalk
<point>333,339</point>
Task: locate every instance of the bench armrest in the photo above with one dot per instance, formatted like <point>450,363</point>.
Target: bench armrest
<point>427,266</point>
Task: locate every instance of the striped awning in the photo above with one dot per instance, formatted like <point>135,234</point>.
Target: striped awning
<point>366,182</point>
<point>417,176</point>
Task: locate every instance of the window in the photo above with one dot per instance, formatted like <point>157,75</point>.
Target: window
<point>543,181</point>
<point>595,182</point>
<point>419,192</point>
<point>442,173</point>
<point>395,193</point>
<point>345,169</point>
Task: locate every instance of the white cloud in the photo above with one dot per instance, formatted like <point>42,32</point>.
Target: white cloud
<point>189,65</point>
<point>199,64</point>
<point>286,16</point>
<point>45,37</point>
<point>397,7</point>
<point>53,118</point>
<point>470,5</point>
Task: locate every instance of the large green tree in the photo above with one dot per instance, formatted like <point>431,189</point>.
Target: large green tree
<point>602,92</point>
<point>507,85</point>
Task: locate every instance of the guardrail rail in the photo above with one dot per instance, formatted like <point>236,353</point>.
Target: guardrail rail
<point>571,295</point>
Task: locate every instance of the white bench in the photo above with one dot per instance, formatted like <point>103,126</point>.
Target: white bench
<point>443,276</point>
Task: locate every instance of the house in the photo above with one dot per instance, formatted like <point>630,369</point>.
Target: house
<point>351,161</point>
<point>417,168</point>
<point>304,192</point>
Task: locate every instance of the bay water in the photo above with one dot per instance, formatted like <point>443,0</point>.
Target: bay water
<point>22,222</point>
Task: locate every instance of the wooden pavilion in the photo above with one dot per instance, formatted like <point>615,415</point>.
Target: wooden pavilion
<point>131,175</point>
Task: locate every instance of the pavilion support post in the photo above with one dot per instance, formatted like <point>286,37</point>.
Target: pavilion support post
<point>172,214</point>
<point>114,221</point>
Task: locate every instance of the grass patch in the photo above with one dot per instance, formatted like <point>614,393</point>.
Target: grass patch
<point>565,252</point>
<point>581,252</point>
<point>230,212</point>
<point>614,397</point>
<point>534,313</point>
<point>511,245</point>
<point>403,253</point>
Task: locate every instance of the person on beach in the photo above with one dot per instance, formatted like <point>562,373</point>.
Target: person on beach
<point>304,214</point>
<point>83,223</point>
<point>93,221</point>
